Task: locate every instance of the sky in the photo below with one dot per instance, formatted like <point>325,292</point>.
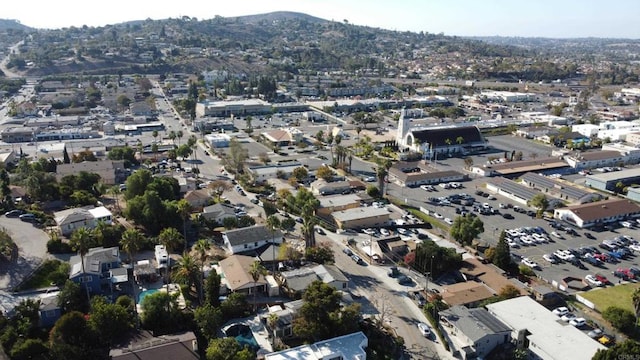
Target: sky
<point>525,18</point>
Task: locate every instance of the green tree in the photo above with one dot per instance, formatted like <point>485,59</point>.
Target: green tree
<point>502,257</point>
<point>111,322</point>
<point>319,314</point>
<point>228,348</point>
<point>621,319</point>
<point>30,349</point>
<point>72,298</point>
<point>300,173</point>
<point>466,228</point>
<point>160,313</point>
<point>540,202</point>
<point>635,299</point>
<point>137,183</point>
<point>212,288</point>
<point>187,272</point>
<point>618,351</point>
<point>82,240</point>
<point>184,211</point>
<point>208,320</point>
<point>72,338</point>
<point>257,271</point>
<point>131,242</point>
<point>171,239</point>
<point>235,306</point>
<point>382,170</point>
<point>322,254</point>
<point>325,173</point>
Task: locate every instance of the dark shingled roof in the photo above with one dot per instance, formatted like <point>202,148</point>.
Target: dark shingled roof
<point>251,234</point>
<point>438,136</point>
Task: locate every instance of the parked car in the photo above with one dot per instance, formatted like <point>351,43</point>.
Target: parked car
<point>589,236</point>
<point>561,311</point>
<point>530,263</point>
<point>357,259</point>
<point>28,217</point>
<point>404,280</point>
<point>14,213</point>
<point>595,333</point>
<point>424,329</point>
<point>592,281</point>
<point>347,251</point>
<point>568,317</point>
<point>550,258</point>
<point>578,322</point>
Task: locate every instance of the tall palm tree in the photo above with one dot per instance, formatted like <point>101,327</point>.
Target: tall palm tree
<point>173,136</point>
<point>201,247</point>
<point>131,242</point>
<point>184,210</point>
<point>187,271</point>
<point>170,238</point>
<point>115,192</point>
<point>82,240</point>
<point>273,224</point>
<point>308,230</point>
<point>256,271</point>
<point>382,170</point>
<point>179,135</point>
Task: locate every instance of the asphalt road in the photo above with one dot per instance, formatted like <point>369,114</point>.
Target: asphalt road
<point>382,296</point>
<point>32,250</point>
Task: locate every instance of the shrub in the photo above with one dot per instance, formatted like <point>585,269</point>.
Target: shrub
<point>56,246</point>
<point>622,319</point>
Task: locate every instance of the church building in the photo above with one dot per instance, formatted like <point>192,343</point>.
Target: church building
<point>438,140</point>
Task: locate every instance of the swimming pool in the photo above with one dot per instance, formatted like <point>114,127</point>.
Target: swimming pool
<point>145,293</point>
<point>242,333</point>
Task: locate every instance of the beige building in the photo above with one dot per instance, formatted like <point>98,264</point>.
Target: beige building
<point>111,171</point>
<point>633,138</point>
<point>361,217</point>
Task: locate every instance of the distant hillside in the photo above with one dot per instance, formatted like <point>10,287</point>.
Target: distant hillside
<point>279,16</point>
<point>6,24</point>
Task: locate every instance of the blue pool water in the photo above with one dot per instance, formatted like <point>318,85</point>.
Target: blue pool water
<point>242,333</point>
<point>144,294</point>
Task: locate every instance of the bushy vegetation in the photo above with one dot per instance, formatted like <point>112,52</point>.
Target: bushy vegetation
<point>50,273</point>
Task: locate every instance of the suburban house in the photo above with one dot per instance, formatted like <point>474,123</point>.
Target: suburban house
<point>598,213</point>
<point>469,293</point>
<point>250,238</point>
<point>198,198</point>
<point>490,275</point>
<point>351,346</point>
<point>282,328</point>
<point>262,173</point>
<point>236,276</point>
<point>361,217</point>
<point>283,137</point>
<point>295,282</point>
<point>49,310</point>
<point>535,328</point>
<point>111,171</point>
<point>97,264</point>
<point>218,212</point>
<point>473,333</point>
<point>322,187</point>
<point>183,346</point>
<point>72,219</point>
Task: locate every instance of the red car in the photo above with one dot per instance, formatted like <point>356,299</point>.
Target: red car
<point>601,278</point>
<point>628,274</point>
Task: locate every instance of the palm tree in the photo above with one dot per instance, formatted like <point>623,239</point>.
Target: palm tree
<point>173,136</point>
<point>115,192</point>
<point>308,229</point>
<point>82,240</point>
<point>170,238</point>
<point>273,223</point>
<point>154,134</point>
<point>256,271</point>
<point>184,210</point>
<point>179,135</point>
<point>131,242</point>
<point>382,170</point>
<point>187,271</point>
<point>201,247</point>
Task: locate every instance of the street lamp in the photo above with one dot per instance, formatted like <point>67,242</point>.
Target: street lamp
<point>427,276</point>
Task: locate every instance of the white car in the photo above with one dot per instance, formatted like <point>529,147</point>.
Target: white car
<point>424,329</point>
<point>568,317</point>
<point>530,263</point>
<point>448,221</point>
<point>550,258</point>
<point>635,247</point>
<point>385,232</point>
<point>556,235</point>
<point>578,322</point>
<point>369,231</point>
<point>401,231</point>
<point>592,281</point>
<point>437,216</point>
<point>513,244</point>
<point>426,187</point>
<point>626,224</point>
<point>561,311</point>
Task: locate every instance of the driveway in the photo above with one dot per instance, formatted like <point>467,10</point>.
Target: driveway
<point>32,249</point>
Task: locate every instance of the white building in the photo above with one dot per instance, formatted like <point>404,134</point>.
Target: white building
<point>508,96</point>
<point>347,347</point>
<point>548,338</point>
<point>250,238</point>
<point>598,213</point>
<point>217,141</point>
<point>540,117</point>
<point>588,130</point>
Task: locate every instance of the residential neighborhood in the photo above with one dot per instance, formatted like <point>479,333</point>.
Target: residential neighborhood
<point>253,204</point>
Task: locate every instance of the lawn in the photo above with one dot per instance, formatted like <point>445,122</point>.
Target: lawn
<point>50,273</point>
<point>619,295</point>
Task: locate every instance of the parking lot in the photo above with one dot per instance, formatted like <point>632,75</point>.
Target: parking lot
<point>532,250</point>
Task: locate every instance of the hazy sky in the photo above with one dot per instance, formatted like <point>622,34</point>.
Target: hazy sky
<point>544,18</point>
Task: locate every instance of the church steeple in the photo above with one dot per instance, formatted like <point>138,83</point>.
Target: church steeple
<point>403,129</point>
